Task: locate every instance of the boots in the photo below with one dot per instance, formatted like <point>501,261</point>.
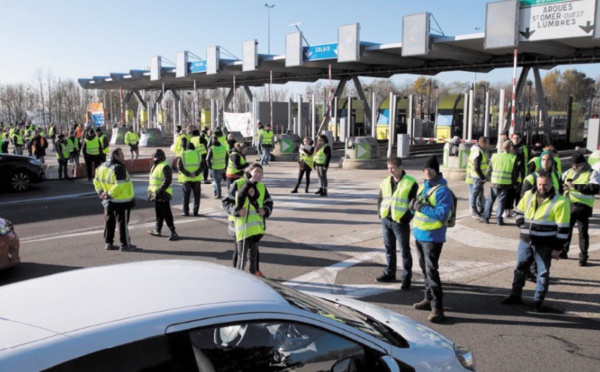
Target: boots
<point>173,236</point>
<point>319,191</point>
<point>323,192</point>
<point>294,191</point>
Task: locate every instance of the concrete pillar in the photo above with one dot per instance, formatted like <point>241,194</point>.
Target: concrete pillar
<point>471,114</point>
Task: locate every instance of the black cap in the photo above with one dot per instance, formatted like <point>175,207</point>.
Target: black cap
<point>578,159</point>
<point>505,132</point>
<point>432,163</point>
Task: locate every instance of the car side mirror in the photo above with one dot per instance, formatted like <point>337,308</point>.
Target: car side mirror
<point>344,365</point>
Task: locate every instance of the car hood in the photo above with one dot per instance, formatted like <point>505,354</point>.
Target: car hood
<point>417,334</point>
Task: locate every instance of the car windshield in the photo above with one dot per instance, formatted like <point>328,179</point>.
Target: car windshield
<point>340,313</point>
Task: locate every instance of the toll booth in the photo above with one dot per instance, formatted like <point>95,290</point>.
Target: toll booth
<point>383,121</point>
<point>450,116</point>
<point>357,116</point>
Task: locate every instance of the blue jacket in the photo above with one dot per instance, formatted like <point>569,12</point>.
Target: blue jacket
<point>440,212</point>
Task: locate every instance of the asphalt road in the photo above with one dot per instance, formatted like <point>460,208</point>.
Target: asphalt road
<point>334,244</point>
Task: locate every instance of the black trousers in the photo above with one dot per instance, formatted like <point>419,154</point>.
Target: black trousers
<point>62,168</point>
<point>188,189</point>
<point>301,173</point>
<point>205,165</point>
<point>113,214</point>
<point>91,162</point>
<point>163,215</point>
<point>249,246</point>
<point>580,215</point>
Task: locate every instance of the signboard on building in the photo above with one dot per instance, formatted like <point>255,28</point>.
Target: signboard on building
<point>555,19</point>
<point>97,111</point>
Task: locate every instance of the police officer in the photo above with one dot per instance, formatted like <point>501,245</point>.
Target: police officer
<point>248,203</point>
<point>543,218</point>
<point>115,189</point>
<point>503,174</point>
<point>477,166</point>
<point>190,169</point>
<point>431,207</point>
<point>160,192</point>
<point>392,203</point>
<point>580,184</point>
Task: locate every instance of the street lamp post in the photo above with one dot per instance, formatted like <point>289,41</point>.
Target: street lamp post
<point>269,7</point>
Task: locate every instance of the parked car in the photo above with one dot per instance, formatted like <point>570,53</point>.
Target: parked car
<point>196,316</point>
<point>9,245</point>
<point>19,172</point>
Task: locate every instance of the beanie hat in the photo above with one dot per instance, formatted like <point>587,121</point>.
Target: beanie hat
<point>578,159</point>
<point>539,159</point>
<point>505,132</point>
<point>432,163</point>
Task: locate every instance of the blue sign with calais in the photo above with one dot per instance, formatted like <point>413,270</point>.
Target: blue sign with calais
<point>197,66</point>
<point>323,51</point>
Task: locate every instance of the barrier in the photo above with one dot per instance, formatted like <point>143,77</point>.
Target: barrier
<point>363,153</point>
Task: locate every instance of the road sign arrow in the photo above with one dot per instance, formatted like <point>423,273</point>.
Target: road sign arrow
<point>361,151</point>
<point>587,28</point>
<point>284,146</point>
<point>526,34</point>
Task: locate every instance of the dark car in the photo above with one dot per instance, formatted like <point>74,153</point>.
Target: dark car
<point>18,172</point>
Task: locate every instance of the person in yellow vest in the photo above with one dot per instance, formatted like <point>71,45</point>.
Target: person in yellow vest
<point>92,148</point>
<point>580,184</point>
<point>201,145</point>
<point>104,144</point>
<point>5,141</point>
<point>190,168</point>
<point>75,147</point>
<point>502,172</point>
<point>266,139</point>
<point>38,146</point>
<point>522,153</point>
<point>160,192</point>
<point>305,163</point>
<point>53,133</point>
<point>543,219</point>
<point>217,160</point>
<point>321,160</point>
<point>395,192</point>
<point>181,140</point>
<point>237,163</point>
<point>534,164</point>
<point>132,140</point>
<point>27,136</point>
<point>18,140</point>
<point>431,208</point>
<point>62,155</point>
<point>259,133</point>
<point>248,203</point>
<point>477,166</point>
<point>115,189</point>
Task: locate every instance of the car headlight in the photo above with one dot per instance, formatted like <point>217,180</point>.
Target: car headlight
<point>465,357</point>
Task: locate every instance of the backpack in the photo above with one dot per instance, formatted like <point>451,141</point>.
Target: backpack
<point>451,220</point>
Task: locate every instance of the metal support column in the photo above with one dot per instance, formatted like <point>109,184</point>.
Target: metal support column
<point>374,116</point>
<point>539,88</point>
<point>299,124</point>
<point>501,118</point>
<point>313,126</point>
<point>361,95</point>
<point>471,114</point>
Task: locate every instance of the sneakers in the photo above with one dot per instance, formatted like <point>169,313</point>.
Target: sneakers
<point>484,220</point>
<point>217,197</point>
<point>501,223</point>
<point>512,300</point>
<point>386,278</point>
<point>185,214</point>
<point>173,236</point>
<point>476,215</point>
<point>436,316</point>
<point>405,284</point>
<point>109,247</point>
<point>423,305</point>
<point>154,232</point>
<point>583,262</point>
<point>129,248</point>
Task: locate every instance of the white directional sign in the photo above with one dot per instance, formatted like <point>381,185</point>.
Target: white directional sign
<point>555,19</point>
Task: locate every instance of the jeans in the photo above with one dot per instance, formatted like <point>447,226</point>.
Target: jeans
<point>477,199</point>
<point>526,254</point>
<point>396,233</point>
<point>266,155</point>
<point>190,188</point>
<point>217,176</point>
<point>495,192</point>
<point>322,173</point>
<point>429,255</point>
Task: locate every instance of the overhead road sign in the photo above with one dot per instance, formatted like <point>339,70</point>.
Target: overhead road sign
<point>348,43</point>
<point>501,24</point>
<point>555,19</point>
<point>319,52</point>
<point>197,66</point>
<point>250,55</point>
<point>415,35</point>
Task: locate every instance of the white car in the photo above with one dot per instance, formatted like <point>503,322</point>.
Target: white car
<point>177,315</point>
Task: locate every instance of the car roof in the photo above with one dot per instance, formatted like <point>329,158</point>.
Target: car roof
<point>67,302</point>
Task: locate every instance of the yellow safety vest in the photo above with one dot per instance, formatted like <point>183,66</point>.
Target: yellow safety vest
<point>421,220</point>
<point>105,150</point>
<point>131,138</point>
<point>547,219</point>
<point>70,145</point>
<point>502,168</point>
<point>199,146</point>
<point>219,154</point>
<point>191,162</point>
<point>156,178</point>
<point>64,149</point>
<point>253,224</point>
<point>475,151</point>
<point>177,148</point>
<point>119,191</point>
<point>398,200</point>
<point>320,156</point>
<point>308,159</point>
<point>231,169</point>
<point>577,196</point>
<point>92,146</point>
<point>532,179</point>
<point>267,137</point>
<point>101,179</point>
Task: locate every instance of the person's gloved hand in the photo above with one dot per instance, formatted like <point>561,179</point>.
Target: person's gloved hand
<point>415,205</point>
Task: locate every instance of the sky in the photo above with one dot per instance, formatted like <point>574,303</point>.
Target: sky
<point>73,39</point>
